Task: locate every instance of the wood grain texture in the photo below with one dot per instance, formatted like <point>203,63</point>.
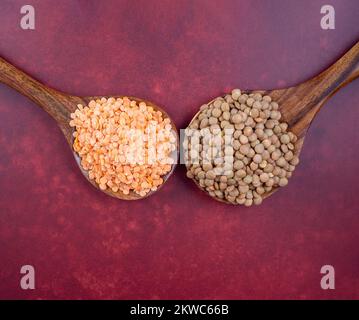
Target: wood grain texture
<point>60,106</point>
<point>300,104</point>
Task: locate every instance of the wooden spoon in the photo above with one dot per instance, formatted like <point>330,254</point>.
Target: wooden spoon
<point>300,104</point>
<point>60,105</point>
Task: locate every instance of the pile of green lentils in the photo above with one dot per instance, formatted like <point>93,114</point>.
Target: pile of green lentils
<point>237,149</point>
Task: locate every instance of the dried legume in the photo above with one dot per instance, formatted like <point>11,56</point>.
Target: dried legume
<point>251,151</point>
<point>124,146</point>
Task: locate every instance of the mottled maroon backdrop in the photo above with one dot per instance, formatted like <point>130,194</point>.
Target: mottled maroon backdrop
<point>177,243</point>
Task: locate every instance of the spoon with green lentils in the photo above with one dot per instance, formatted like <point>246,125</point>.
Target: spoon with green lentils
<point>243,146</point>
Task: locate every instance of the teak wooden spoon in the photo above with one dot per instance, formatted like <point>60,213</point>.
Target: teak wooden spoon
<point>60,105</point>
<point>300,104</point>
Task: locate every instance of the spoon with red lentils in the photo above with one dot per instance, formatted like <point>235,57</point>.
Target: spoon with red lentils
<point>242,147</point>
<point>125,146</point>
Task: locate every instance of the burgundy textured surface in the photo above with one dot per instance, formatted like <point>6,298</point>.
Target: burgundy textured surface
<point>178,243</point>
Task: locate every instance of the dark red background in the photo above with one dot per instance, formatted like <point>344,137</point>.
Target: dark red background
<point>178,243</point>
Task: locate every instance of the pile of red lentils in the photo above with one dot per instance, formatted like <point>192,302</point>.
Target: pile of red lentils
<point>125,146</point>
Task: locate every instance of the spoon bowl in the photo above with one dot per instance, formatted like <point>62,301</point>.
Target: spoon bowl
<point>300,104</point>
<point>60,106</point>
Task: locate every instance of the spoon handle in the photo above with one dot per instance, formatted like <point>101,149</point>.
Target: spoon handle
<point>342,72</point>
<point>57,104</point>
<point>302,102</point>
